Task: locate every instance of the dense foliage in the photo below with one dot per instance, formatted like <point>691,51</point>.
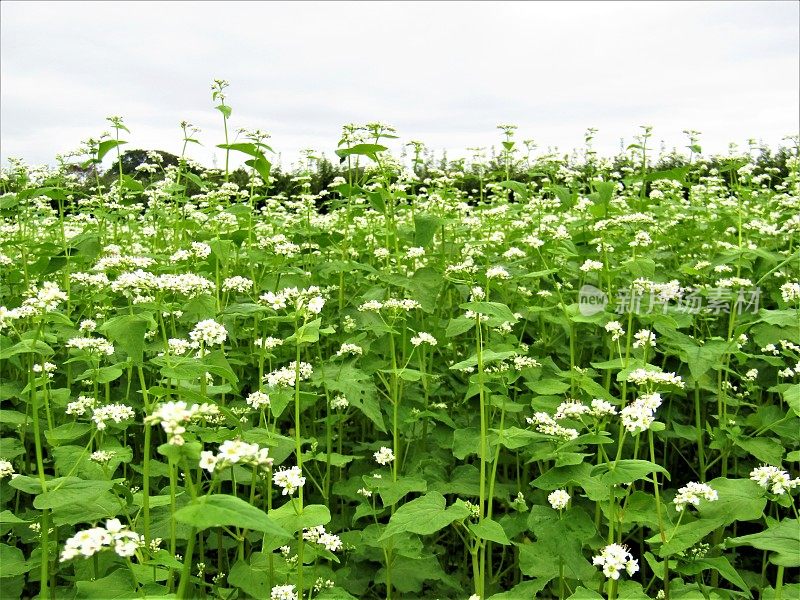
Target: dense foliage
<point>527,376</point>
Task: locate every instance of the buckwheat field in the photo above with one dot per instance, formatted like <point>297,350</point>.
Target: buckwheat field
<point>519,375</point>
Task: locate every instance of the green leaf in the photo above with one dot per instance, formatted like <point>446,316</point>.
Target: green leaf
<point>719,564</point>
<point>548,387</point>
<point>9,518</point>
<point>490,530</point>
<point>424,516</point>
<point>783,540</point>
<point>71,491</point>
<point>458,326</point>
<point>127,332</point>
<point>627,471</point>
<point>27,347</point>
<point>368,150</point>
<point>356,386</point>
<point>493,309</point>
<point>559,477</point>
<point>408,574</point>
<point>251,579</point>
<point>118,585</point>
<point>391,491</point>
<point>107,145</point>
<point>425,228</point>
<point>791,396</point>
<point>223,510</point>
<point>12,561</point>
<point>312,516</point>
<point>262,166</point>
<point>739,500</point>
<point>766,450</point>
<point>225,110</point>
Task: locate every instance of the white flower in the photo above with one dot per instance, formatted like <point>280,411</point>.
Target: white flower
<point>423,338</point>
<point>602,408</point>
<point>415,252</point>
<point>258,400</point>
<point>497,273</point>
<point>80,406</point>
<point>353,349</point>
<point>237,284</point>
<point>692,492</point>
<point>790,291</point>
<point>559,499</point>
<point>87,325</point>
<point>232,452</point>
<point>570,408</point>
<point>289,480</point>
<point>615,329</point>
<point>371,306</point>
<point>315,304</point>
<point>201,250</point>
<point>95,346</point>
<point>644,337</point>
<point>179,346</point>
<point>591,265</point>
<point>111,412</point>
<point>384,456</point>
<point>613,559</point>
<point>286,377</point>
<point>101,456</point>
<point>283,592</point>
<point>643,376</point>
<point>751,375</point>
<point>339,402</point>
<point>6,469</point>
<point>174,415</point>
<point>89,542</point>
<point>639,414</point>
<point>774,479</point>
<point>525,362</point>
<point>209,332</point>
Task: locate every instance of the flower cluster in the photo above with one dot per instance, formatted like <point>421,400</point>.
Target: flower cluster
<point>559,499</point>
<point>692,493</point>
<point>236,452</point>
<point>647,377</point>
<point>547,425</point>
<point>258,400</point>
<point>773,479</point>
<point>640,414</point>
<point>283,592</point>
<point>308,299</point>
<point>318,535</point>
<point>209,333</point>
<point>384,456</point>
<point>423,338</point>
<point>615,329</point>
<point>644,338</point>
<point>94,346</point>
<point>353,349</point>
<point>40,300</point>
<point>89,542</point>
<point>286,377</point>
<point>111,412</point>
<point>174,415</point>
<point>289,480</point>
<point>6,469</point>
<point>615,558</point>
<point>391,304</point>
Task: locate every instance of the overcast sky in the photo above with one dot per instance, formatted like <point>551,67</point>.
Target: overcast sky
<point>444,73</point>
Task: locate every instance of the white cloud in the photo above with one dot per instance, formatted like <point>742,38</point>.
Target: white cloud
<point>445,73</point>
